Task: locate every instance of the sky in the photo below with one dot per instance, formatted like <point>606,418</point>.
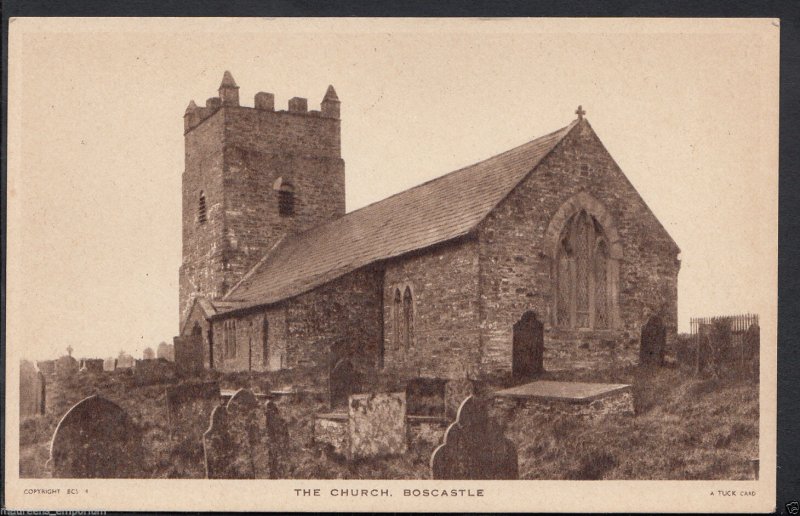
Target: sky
<point>688,109</point>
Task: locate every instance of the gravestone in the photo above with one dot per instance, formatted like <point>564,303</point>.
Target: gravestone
<point>377,424</point>
<point>109,364</point>
<point>455,392</point>
<point>66,366</point>
<point>96,439</point>
<point>93,365</point>
<point>47,367</point>
<point>344,380</point>
<point>474,448</point>
<point>32,390</point>
<point>148,354</point>
<point>278,438</point>
<point>653,343</point>
<point>237,443</point>
<point>425,396</point>
<point>189,355</point>
<point>150,372</point>
<point>189,408</point>
<point>166,351</point>
<point>124,361</point>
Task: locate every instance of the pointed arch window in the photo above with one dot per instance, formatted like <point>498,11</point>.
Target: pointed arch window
<point>583,272</point>
<point>408,318</point>
<point>397,317</point>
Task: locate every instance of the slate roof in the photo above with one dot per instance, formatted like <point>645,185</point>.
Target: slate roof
<point>439,210</point>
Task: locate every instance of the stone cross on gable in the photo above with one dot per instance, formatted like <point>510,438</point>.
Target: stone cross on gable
<point>580,112</point>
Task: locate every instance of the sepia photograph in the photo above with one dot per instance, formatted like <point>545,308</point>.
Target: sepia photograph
<point>494,259</point>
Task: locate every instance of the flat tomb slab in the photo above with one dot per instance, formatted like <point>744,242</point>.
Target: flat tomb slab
<point>578,392</point>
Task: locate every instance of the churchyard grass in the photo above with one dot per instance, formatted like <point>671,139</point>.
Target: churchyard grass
<point>686,427</point>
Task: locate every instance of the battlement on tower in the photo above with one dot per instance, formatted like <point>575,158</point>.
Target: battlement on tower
<point>228,97</point>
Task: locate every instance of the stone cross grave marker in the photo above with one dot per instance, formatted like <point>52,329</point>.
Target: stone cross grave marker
<point>189,407</point>
<point>474,448</point>
<point>238,441</point>
<point>377,424</point>
<point>96,439</point>
<point>32,390</point>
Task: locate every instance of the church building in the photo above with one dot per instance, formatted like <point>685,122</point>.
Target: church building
<point>543,257</point>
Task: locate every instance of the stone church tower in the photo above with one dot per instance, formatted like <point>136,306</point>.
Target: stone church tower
<point>253,175</point>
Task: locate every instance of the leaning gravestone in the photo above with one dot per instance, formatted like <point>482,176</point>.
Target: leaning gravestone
<point>377,424</point>
<point>96,439</point>
<point>455,392</point>
<point>32,390</point>
<point>474,448</point>
<point>189,408</point>
<point>235,444</point>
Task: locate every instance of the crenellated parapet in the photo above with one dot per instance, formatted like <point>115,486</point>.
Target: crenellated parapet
<point>228,96</point>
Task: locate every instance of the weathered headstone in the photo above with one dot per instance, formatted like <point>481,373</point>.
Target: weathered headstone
<point>166,351</point>
<point>425,396</point>
<point>189,408</point>
<point>47,367</point>
<point>455,392</point>
<point>278,439</point>
<point>377,424</point>
<point>96,439</point>
<point>66,366</point>
<point>189,355</point>
<point>149,372</point>
<point>474,448</point>
<point>93,365</point>
<point>148,354</point>
<point>32,390</point>
<point>109,364</point>
<point>238,443</point>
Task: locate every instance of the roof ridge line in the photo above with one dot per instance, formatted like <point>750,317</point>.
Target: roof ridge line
<point>459,169</point>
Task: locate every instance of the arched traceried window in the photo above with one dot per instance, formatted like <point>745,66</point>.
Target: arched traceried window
<point>564,300</point>
<point>408,318</point>
<point>582,236</point>
<point>397,322</point>
<point>601,300</point>
<point>582,269</point>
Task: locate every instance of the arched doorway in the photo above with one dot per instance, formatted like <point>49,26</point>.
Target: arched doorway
<point>653,342</point>
<point>528,347</point>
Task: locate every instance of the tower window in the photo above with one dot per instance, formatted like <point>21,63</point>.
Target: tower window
<point>286,199</point>
<point>201,209</point>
